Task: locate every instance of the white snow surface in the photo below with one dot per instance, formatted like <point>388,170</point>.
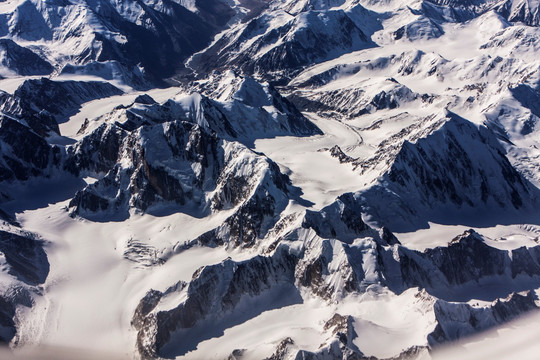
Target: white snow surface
<point>92,291</point>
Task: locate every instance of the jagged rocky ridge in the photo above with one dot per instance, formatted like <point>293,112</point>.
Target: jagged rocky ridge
<point>243,100</point>
<point>339,345</point>
<point>129,32</point>
<point>280,42</point>
<point>194,121</point>
<point>25,154</point>
<point>175,153</point>
<point>113,39</point>
<point>440,161</point>
<point>22,61</point>
<point>332,259</point>
<point>233,106</point>
<point>24,266</point>
<point>30,115</point>
<point>175,163</point>
<point>459,11</point>
<point>357,99</point>
<point>41,104</point>
<point>456,321</point>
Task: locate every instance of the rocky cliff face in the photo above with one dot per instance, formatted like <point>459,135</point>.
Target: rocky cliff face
<point>31,115</point>
<point>445,161</point>
<point>279,44</point>
<point>253,108</point>
<point>24,153</point>
<point>25,257</point>
<point>514,11</point>
<point>24,266</point>
<point>127,32</point>
<point>333,255</point>
<point>456,321</point>
<point>356,100</point>
<point>467,259</point>
<point>213,293</point>
<point>42,104</point>
<point>255,218</point>
<point>149,155</point>
<point>61,98</point>
<point>174,163</point>
<point>23,61</point>
<point>233,106</point>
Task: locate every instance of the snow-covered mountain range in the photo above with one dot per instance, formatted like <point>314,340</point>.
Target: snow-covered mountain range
<point>268,179</point>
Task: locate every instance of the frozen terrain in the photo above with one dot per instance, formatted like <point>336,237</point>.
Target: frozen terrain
<point>248,179</point>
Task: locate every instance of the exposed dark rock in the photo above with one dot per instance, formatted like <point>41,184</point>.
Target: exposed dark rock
<point>456,321</point>
<point>8,218</point>
<point>455,260</point>
<point>157,155</point>
<point>237,354</point>
<point>353,101</point>
<point>146,305</point>
<point>441,170</point>
<point>422,28</point>
<point>527,97</point>
<point>97,152</point>
<point>145,99</point>
<point>281,350</point>
<point>25,260</point>
<point>254,217</point>
<point>254,110</point>
<point>388,237</point>
<point>61,99</point>
<point>112,70</point>
<point>9,301</point>
<point>213,292</point>
<point>336,152</point>
<point>22,60</point>
<point>7,325</point>
<point>155,36</point>
<point>25,257</point>
<point>142,254</point>
<point>159,170</point>
<point>412,353</point>
<point>295,46</point>
<point>332,270</point>
<point>467,259</point>
<point>40,121</point>
<point>519,11</point>
<point>341,220</point>
<point>340,345</point>
<point>24,153</point>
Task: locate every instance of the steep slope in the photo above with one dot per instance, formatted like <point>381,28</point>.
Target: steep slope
<point>24,153</point>
<point>444,170</point>
<point>129,32</point>
<point>234,107</point>
<point>30,116</point>
<point>18,60</point>
<point>24,266</point>
<point>354,259</point>
<point>42,104</point>
<point>214,290</point>
<point>174,163</point>
<point>278,43</point>
<point>357,99</point>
